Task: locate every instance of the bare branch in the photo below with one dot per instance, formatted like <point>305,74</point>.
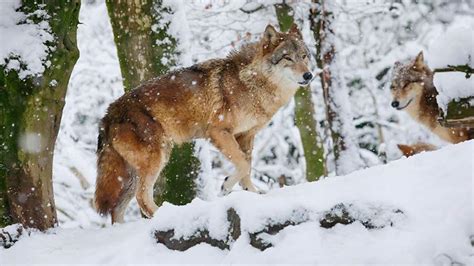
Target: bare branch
<point>252,10</point>
<point>459,68</point>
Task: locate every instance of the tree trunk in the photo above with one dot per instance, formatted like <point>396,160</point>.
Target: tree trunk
<point>145,51</point>
<point>30,116</point>
<point>335,95</point>
<point>304,113</point>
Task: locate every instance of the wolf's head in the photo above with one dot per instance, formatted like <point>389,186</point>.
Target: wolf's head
<point>409,81</point>
<point>285,57</point>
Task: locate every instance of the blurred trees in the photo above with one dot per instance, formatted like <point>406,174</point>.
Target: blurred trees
<point>145,51</point>
<point>30,115</point>
<point>338,115</point>
<point>304,112</point>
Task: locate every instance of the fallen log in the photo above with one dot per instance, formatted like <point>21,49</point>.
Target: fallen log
<point>339,214</point>
<point>10,234</point>
<point>202,236</point>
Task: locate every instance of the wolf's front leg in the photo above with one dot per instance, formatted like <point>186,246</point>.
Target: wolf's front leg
<point>246,145</point>
<point>229,146</point>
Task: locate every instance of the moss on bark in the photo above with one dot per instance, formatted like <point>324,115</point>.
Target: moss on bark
<point>304,112</point>
<point>31,109</point>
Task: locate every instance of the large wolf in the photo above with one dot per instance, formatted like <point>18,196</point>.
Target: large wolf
<point>224,100</point>
<point>413,90</point>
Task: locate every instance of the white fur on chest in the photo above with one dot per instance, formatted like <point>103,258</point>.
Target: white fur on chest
<point>245,122</point>
<point>414,111</point>
<point>284,94</point>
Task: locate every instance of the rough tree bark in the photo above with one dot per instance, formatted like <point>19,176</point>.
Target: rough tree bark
<point>304,112</point>
<point>30,110</point>
<point>145,51</point>
<point>334,95</point>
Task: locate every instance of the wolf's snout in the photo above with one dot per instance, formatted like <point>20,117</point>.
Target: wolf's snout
<point>307,76</point>
<point>395,104</point>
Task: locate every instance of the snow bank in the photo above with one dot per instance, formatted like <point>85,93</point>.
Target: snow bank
<point>23,47</point>
<point>455,46</point>
<point>434,191</point>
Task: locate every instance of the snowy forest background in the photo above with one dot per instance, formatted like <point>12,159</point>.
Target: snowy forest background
<point>395,210</point>
<point>370,37</point>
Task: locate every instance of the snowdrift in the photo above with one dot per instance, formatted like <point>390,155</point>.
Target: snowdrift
<point>417,210</point>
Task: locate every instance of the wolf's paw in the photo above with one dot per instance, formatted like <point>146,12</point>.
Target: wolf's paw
<point>224,190</point>
<point>252,188</point>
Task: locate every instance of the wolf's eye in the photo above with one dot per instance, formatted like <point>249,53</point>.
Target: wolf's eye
<point>287,58</point>
<point>304,56</point>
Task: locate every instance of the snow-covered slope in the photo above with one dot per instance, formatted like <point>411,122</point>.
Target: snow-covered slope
<point>433,190</point>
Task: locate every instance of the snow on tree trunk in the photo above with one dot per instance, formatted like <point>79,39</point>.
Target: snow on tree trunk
<point>146,50</point>
<point>30,115</point>
<point>335,93</point>
<point>304,112</point>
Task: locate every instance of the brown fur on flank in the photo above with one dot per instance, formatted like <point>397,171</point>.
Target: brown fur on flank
<point>410,150</point>
<point>224,100</point>
<point>412,86</point>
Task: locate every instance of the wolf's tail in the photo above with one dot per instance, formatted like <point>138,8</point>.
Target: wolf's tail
<point>115,184</point>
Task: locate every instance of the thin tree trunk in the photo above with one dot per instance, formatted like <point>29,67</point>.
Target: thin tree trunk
<point>304,113</point>
<point>30,115</point>
<point>145,51</point>
<point>334,93</point>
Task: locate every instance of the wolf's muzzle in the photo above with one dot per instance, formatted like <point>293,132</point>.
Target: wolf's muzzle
<point>307,78</point>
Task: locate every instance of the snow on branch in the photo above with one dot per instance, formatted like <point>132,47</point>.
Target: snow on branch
<point>27,41</point>
<point>250,11</point>
<point>458,68</point>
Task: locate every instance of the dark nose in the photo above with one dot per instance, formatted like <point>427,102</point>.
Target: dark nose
<point>395,104</point>
<point>307,76</point>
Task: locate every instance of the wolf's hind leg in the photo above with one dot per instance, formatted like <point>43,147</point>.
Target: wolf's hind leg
<point>146,184</point>
<point>128,192</point>
<point>147,156</point>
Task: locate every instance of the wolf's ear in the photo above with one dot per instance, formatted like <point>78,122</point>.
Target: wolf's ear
<point>270,35</point>
<point>419,62</point>
<point>294,30</point>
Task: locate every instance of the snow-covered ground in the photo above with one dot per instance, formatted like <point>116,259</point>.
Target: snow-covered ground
<point>212,31</point>
<point>433,190</point>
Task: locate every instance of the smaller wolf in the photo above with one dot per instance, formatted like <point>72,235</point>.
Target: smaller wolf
<point>226,101</point>
<point>413,90</point>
